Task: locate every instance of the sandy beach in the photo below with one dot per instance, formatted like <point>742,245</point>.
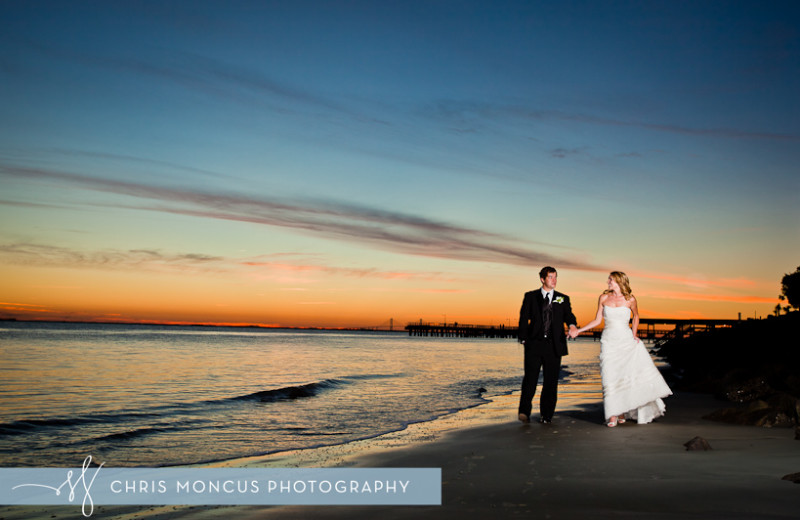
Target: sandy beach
<point>574,468</point>
<point>578,468</point>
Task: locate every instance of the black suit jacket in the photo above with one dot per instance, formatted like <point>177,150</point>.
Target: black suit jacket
<point>530,319</point>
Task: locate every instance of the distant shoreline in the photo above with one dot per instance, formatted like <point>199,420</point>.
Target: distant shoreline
<point>207,325</point>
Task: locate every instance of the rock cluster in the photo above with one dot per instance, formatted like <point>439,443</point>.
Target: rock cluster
<point>759,404</point>
<point>754,365</point>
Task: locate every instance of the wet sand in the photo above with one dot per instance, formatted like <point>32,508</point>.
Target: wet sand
<point>494,466</point>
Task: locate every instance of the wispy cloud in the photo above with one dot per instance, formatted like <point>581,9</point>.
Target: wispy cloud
<point>720,132</point>
<point>697,281</point>
<point>398,232</point>
<point>459,111</point>
<point>16,304</point>
<point>130,159</point>
<point>444,291</point>
<point>24,308</point>
<point>356,272</point>
<point>41,255</point>
<point>221,79</point>
<point>710,297</point>
<point>561,153</point>
<point>23,204</point>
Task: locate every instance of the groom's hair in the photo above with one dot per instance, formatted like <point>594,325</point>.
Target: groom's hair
<point>545,271</point>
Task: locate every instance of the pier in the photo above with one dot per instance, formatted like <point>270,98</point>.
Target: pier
<point>455,330</point>
<point>658,330</point>
<point>649,328</point>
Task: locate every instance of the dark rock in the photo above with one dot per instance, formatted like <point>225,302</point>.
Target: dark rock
<point>785,403</point>
<point>792,477</point>
<point>779,410</point>
<point>755,406</point>
<point>749,390</point>
<point>778,420</point>
<point>758,415</point>
<point>696,444</point>
<point>792,382</point>
<point>481,390</point>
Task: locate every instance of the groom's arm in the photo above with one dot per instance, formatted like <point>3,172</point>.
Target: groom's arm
<point>570,319</point>
<point>524,319</point>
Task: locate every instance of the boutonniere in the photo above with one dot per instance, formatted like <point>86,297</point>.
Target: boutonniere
<point>559,299</point>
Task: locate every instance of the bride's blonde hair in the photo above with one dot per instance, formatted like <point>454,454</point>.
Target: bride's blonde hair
<point>623,282</point>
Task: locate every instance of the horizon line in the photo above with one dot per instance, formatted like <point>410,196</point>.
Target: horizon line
<point>197,324</point>
<point>299,327</point>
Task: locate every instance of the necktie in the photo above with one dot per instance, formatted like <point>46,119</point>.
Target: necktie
<point>547,315</point>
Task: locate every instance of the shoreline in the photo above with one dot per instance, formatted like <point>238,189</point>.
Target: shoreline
<point>346,454</point>
<point>576,467</point>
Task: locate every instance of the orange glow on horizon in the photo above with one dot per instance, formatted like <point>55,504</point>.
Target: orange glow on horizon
<point>339,299</point>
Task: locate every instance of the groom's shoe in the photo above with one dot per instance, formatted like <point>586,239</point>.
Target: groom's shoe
<point>524,418</point>
<point>544,420</point>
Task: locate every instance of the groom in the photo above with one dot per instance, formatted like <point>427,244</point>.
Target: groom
<point>541,329</point>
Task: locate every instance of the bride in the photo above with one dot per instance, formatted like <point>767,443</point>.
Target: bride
<point>632,385</point>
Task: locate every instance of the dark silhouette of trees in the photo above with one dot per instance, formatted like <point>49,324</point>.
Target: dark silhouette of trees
<point>752,363</point>
<point>790,289</point>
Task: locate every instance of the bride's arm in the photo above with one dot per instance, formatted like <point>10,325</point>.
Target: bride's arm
<point>598,318</point>
<point>635,311</point>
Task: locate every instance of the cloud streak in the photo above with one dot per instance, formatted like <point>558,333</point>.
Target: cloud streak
<point>355,272</point>
<point>248,86</point>
<point>699,282</point>
<point>209,76</point>
<point>397,232</point>
<point>459,111</point>
<point>707,297</point>
<point>41,255</point>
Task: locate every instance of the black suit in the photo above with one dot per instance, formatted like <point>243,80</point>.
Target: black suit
<point>543,348</point>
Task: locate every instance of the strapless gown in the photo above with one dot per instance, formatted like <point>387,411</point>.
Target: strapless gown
<point>632,385</point>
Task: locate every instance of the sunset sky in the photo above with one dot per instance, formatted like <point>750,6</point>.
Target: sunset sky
<point>346,163</point>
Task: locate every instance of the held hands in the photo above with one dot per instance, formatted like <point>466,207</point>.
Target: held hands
<point>573,332</point>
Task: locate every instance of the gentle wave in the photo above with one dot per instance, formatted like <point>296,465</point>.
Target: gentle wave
<point>30,425</point>
<point>132,434</point>
<point>286,393</point>
<point>289,392</point>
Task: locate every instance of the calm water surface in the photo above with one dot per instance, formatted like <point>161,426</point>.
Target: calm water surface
<point>132,395</point>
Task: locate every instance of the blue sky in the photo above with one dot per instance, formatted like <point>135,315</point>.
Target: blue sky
<point>457,146</point>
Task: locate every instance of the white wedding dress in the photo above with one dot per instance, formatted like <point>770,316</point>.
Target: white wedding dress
<point>632,385</point>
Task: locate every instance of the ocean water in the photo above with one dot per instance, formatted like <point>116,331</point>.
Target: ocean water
<point>133,395</point>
